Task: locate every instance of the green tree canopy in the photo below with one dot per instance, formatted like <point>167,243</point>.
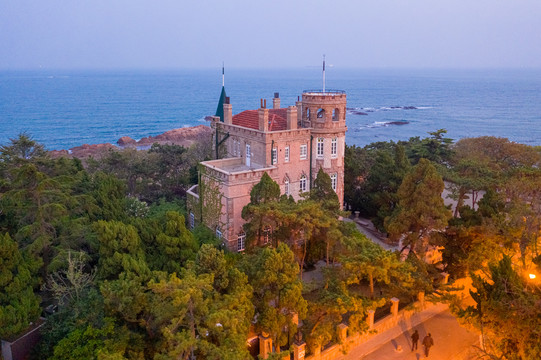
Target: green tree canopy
<point>119,249</point>
<point>323,193</point>
<point>506,312</point>
<point>195,320</point>
<point>420,208</point>
<point>266,190</point>
<point>273,274</point>
<point>19,306</point>
<point>22,148</point>
<point>363,259</point>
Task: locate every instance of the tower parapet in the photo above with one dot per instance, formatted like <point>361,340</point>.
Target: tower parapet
<point>324,109</point>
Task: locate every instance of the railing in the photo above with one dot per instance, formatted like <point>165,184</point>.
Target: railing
<point>329,91</point>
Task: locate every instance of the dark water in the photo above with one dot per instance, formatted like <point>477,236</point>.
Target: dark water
<point>62,109</point>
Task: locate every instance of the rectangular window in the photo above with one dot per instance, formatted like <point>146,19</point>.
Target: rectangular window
<point>286,152</point>
<point>218,234</point>
<point>302,184</point>
<point>241,242</point>
<point>334,147</point>
<point>320,148</point>
<point>303,152</point>
<point>267,235</point>
<point>192,220</point>
<point>274,156</point>
<point>334,178</point>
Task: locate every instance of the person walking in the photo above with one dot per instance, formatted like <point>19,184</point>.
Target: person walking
<point>414,340</point>
<point>428,342</point>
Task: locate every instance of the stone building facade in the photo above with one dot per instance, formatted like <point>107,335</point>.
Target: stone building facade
<point>289,144</point>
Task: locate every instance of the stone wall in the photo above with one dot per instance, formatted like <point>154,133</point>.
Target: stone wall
<point>405,318</point>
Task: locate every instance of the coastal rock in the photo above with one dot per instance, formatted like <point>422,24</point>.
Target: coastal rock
<point>126,141</point>
<point>58,153</point>
<point>183,136</point>
<point>356,112</point>
<point>94,150</point>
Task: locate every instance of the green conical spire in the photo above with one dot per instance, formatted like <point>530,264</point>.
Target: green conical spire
<point>220,109</point>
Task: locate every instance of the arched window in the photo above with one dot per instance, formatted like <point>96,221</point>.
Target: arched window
<point>286,186</point>
<point>241,242</point>
<point>321,114</point>
<point>334,178</point>
<point>336,114</point>
<point>320,149</point>
<point>302,184</point>
<point>334,147</point>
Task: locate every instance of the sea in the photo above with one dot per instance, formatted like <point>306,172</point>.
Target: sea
<point>66,108</point>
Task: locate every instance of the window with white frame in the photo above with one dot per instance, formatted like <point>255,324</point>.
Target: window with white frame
<point>302,184</point>
<point>248,158</point>
<point>241,242</point>
<point>234,147</point>
<point>192,220</point>
<point>274,156</point>
<point>334,147</point>
<point>218,233</point>
<point>286,154</point>
<point>334,178</point>
<point>320,148</point>
<point>286,186</point>
<point>303,151</point>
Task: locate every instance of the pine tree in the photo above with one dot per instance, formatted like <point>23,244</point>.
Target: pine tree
<point>273,275</point>
<point>19,306</point>
<point>506,312</point>
<point>420,208</point>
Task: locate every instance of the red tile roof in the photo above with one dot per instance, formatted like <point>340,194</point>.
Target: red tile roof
<point>250,119</point>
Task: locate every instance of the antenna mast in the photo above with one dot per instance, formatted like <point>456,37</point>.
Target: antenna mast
<point>323,72</point>
<point>223,74</point>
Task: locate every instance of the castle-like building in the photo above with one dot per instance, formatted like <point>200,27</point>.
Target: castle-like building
<point>290,144</point>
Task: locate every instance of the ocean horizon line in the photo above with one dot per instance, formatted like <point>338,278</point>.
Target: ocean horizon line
<point>236,68</point>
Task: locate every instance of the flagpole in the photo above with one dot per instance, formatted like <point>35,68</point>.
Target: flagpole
<point>323,72</point>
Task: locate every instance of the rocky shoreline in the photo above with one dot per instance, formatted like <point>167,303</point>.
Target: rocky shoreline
<point>184,137</point>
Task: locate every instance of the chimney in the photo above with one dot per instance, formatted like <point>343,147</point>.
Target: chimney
<point>298,104</point>
<point>291,118</point>
<point>276,101</point>
<point>228,112</point>
<point>263,119</point>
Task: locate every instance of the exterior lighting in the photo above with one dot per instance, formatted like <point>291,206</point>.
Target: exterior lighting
<point>532,276</point>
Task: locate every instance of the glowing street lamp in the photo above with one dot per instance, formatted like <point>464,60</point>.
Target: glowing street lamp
<point>532,276</point>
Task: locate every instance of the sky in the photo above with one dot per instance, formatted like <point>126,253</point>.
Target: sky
<point>169,34</point>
